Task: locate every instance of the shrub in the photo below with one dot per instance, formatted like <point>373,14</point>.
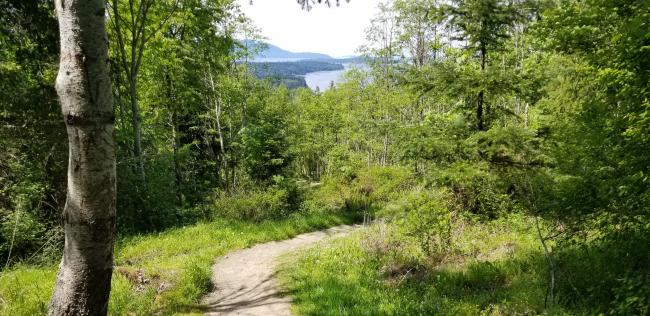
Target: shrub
<point>330,196</point>
<point>251,205</point>
<point>632,296</point>
<point>344,164</point>
<point>376,186</point>
<point>277,201</point>
<point>20,233</point>
<point>605,275</point>
<point>475,188</point>
<point>425,218</point>
<point>430,223</point>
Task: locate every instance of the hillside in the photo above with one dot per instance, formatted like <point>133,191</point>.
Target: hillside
<point>291,74</point>
<point>275,52</point>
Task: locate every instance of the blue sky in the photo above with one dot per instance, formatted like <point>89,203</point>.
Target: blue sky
<point>336,31</point>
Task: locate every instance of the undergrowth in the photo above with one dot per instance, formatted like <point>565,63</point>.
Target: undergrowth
<point>425,255</point>
<point>491,268</point>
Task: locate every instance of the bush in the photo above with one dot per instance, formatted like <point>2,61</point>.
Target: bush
<point>430,223</point>
<point>344,164</point>
<point>21,233</point>
<point>376,186</point>
<point>277,201</point>
<point>606,275</point>
<point>475,188</point>
<point>424,218</point>
<point>29,227</point>
<point>251,205</point>
<point>632,296</point>
<point>330,196</point>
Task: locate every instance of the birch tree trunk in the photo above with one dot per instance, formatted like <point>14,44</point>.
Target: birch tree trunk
<point>217,113</point>
<point>84,88</point>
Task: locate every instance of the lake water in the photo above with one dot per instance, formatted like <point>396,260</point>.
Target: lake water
<point>322,80</point>
<point>275,60</point>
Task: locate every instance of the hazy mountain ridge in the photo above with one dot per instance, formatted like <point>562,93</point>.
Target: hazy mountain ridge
<point>275,52</point>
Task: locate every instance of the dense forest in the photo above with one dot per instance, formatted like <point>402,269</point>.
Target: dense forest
<point>497,152</point>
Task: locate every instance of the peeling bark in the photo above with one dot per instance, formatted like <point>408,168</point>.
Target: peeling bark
<point>84,88</point>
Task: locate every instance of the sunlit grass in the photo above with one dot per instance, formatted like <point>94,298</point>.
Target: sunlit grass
<point>494,268</point>
<point>163,273</point>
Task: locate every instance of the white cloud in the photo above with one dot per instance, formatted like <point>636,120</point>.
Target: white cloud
<point>337,31</point>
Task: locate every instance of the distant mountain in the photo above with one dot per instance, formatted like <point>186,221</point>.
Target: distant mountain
<point>273,51</point>
<point>276,52</point>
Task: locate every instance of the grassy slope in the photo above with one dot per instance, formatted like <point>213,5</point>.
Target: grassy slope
<point>165,273</point>
<point>493,269</point>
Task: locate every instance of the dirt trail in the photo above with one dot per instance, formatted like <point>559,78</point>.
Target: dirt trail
<point>244,279</point>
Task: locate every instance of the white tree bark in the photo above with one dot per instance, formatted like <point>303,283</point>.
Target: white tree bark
<point>84,88</point>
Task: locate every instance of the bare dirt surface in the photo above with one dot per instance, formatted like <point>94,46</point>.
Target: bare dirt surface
<point>244,280</point>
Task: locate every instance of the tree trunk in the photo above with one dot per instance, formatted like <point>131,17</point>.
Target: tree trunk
<point>137,127</point>
<point>175,138</point>
<point>479,111</point>
<point>384,158</point>
<point>217,113</point>
<point>479,102</point>
<point>131,64</point>
<point>83,84</point>
<point>526,115</point>
<point>177,166</point>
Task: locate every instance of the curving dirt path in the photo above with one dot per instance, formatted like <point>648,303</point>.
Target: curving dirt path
<point>244,279</point>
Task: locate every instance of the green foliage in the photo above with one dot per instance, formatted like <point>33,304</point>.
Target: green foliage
<point>32,134</point>
<point>435,140</point>
<point>343,163</point>
<point>21,232</point>
<point>382,185</point>
<point>429,222</point>
<point>265,149</point>
<point>370,188</point>
<point>505,147</point>
<point>631,296</point>
<point>272,203</point>
<point>475,188</point>
<point>328,196</point>
<point>563,86</point>
<point>602,95</point>
<point>484,23</point>
<point>605,274</point>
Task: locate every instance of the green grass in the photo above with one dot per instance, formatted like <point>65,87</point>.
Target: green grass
<point>165,273</point>
<point>494,268</point>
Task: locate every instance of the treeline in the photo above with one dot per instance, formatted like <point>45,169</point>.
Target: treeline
<point>294,68</point>
<point>291,74</point>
